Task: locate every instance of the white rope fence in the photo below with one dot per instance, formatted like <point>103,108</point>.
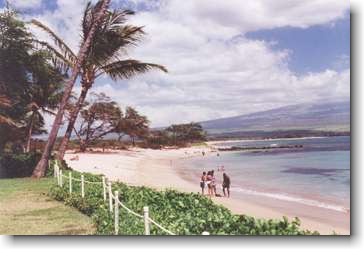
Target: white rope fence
<point>113,207</point>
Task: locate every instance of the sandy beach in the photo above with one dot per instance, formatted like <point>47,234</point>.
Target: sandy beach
<point>157,169</point>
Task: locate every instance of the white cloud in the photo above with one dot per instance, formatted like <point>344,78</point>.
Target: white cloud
<point>25,4</point>
<point>214,70</point>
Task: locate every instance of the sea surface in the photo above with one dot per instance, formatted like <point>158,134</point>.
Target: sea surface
<point>317,173</point>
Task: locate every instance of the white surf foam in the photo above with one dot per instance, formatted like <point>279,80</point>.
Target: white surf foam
<point>290,198</point>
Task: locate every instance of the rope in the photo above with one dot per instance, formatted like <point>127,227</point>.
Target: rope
<point>162,228</point>
<point>89,182</point>
<point>130,211</point>
<point>93,182</point>
<point>126,208</point>
<point>151,220</point>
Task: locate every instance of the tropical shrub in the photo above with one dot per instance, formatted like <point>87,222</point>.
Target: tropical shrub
<point>181,213</point>
<point>18,165</point>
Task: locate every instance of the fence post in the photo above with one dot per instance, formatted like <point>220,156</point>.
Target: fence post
<point>110,196</point>
<point>55,169</point>
<point>116,223</point>
<point>57,176</point>
<point>104,187</point>
<point>70,181</point>
<point>60,178</point>
<point>146,220</point>
<point>82,186</point>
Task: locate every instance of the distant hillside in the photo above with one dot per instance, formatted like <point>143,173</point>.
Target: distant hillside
<point>334,116</point>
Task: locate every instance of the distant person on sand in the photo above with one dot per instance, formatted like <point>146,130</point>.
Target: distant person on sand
<point>222,168</point>
<point>226,184</point>
<point>203,182</point>
<point>208,182</point>
<point>213,183</point>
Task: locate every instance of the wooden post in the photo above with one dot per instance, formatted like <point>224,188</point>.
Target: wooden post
<point>116,223</point>
<point>146,220</point>
<point>104,187</point>
<point>57,176</point>
<point>56,169</point>
<point>70,181</point>
<point>82,186</point>
<point>60,178</point>
<point>110,196</point>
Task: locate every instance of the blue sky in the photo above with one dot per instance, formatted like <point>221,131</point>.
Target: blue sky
<point>224,58</point>
<point>313,49</point>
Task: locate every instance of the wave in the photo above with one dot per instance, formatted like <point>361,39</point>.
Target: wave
<point>289,198</point>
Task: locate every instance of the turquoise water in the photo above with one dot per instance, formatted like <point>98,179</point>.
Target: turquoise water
<point>317,174</point>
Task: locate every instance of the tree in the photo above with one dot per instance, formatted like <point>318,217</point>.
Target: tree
<point>133,124</point>
<point>15,47</point>
<point>44,94</point>
<point>186,133</point>
<point>97,120</point>
<point>105,57</point>
<point>99,12</point>
<point>28,82</point>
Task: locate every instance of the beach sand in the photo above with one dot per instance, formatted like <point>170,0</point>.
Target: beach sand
<point>157,169</point>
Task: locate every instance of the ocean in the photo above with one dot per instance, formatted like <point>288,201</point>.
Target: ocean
<point>317,173</point>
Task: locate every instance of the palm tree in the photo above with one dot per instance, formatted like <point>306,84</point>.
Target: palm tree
<point>105,57</point>
<point>99,13</point>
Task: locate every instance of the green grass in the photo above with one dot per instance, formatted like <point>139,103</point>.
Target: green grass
<point>25,209</point>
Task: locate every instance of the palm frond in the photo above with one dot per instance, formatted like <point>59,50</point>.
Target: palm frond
<point>126,69</point>
<point>58,59</point>
<point>65,50</point>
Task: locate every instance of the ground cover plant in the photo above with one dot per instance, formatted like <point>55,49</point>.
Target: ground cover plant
<point>181,213</point>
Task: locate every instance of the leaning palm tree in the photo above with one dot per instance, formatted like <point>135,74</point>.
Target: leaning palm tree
<point>105,57</point>
<point>98,16</point>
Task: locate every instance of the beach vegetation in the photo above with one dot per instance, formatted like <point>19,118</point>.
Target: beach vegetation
<point>179,135</point>
<point>181,213</point>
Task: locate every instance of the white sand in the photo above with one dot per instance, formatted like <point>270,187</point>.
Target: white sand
<point>155,168</point>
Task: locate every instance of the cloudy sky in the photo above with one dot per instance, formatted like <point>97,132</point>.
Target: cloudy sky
<point>224,58</point>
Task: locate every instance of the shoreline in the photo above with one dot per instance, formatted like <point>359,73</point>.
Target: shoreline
<point>158,169</point>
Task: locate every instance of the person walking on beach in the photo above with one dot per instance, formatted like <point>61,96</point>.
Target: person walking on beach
<point>226,184</point>
<point>203,182</point>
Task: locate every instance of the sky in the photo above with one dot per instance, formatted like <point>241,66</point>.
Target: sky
<point>224,58</point>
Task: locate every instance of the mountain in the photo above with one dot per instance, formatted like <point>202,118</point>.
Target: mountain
<point>333,116</point>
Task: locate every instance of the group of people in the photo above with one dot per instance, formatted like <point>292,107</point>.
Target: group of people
<point>208,181</point>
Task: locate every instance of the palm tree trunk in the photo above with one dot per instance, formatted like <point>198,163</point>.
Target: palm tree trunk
<point>40,169</point>
<point>30,131</point>
<point>62,148</point>
<point>83,146</point>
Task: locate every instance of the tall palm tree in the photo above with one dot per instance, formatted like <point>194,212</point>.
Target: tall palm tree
<point>105,56</point>
<point>99,13</point>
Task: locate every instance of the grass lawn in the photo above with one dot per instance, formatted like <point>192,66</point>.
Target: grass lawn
<point>25,209</point>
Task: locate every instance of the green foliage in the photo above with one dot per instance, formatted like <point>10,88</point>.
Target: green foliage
<point>177,135</point>
<point>181,213</point>
<point>29,84</point>
<point>18,165</point>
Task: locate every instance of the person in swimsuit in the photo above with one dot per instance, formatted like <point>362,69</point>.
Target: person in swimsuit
<point>213,183</point>
<point>226,184</point>
<point>209,183</point>
<point>203,182</point>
